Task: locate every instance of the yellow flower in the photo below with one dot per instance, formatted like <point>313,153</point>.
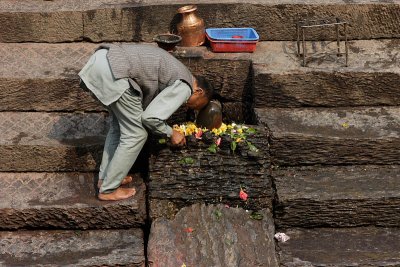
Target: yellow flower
<point>240,130</point>
<point>223,127</point>
<point>238,140</point>
<point>216,131</point>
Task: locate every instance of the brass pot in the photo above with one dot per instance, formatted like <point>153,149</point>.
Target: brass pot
<point>191,28</point>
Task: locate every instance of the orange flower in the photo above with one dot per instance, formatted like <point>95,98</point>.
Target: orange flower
<point>243,195</point>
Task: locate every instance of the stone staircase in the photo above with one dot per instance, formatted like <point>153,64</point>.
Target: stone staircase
<point>328,175</point>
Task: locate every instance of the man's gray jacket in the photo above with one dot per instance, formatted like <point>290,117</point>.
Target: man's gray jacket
<point>149,69</point>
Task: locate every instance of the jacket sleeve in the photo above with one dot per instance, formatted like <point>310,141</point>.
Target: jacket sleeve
<point>163,106</point>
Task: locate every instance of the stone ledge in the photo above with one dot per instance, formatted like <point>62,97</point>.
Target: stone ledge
<point>213,236</point>
<point>43,77</point>
<point>66,21</point>
<point>72,248</point>
<point>341,247</point>
<point>34,141</point>
<point>371,78</point>
<point>339,196</point>
<point>65,201</point>
<point>333,136</point>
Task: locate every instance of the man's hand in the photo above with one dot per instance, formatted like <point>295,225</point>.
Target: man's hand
<point>177,138</point>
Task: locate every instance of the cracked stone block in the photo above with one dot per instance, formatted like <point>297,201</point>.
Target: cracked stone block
<point>213,235</point>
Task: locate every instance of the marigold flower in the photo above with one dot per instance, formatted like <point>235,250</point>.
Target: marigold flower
<point>243,195</point>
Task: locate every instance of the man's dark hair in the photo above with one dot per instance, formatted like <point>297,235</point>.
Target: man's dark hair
<point>207,87</point>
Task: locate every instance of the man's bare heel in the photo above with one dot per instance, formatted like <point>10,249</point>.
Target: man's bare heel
<point>119,194</point>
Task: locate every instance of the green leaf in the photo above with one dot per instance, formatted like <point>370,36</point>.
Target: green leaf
<point>233,146</point>
<point>213,148</point>
<point>252,147</point>
<point>218,214</point>
<point>187,160</point>
<point>162,141</point>
<point>251,131</point>
<point>256,216</point>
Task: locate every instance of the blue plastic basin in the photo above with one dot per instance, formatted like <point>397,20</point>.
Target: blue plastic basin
<point>232,34</point>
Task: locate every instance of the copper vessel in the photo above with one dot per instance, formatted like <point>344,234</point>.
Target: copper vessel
<point>191,27</point>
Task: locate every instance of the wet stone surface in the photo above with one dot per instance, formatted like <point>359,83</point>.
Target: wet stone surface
<point>213,235</point>
<point>182,177</point>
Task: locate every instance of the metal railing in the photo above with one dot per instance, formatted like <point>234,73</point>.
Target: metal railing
<point>303,25</point>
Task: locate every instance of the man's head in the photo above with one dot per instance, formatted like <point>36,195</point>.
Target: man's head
<point>202,94</point>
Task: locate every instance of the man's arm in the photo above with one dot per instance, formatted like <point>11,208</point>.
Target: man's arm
<point>162,107</point>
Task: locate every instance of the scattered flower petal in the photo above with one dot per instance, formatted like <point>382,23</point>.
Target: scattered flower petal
<point>218,141</point>
<point>243,195</point>
<point>227,206</point>
<point>281,237</point>
<point>188,230</point>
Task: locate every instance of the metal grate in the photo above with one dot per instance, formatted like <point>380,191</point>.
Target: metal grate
<point>303,25</point>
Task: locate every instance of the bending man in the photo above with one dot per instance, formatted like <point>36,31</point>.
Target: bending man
<point>141,86</point>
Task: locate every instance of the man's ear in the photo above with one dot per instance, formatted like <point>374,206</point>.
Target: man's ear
<point>199,90</point>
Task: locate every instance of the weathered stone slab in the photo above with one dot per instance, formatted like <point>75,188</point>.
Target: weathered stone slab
<point>340,196</point>
<point>213,236</point>
<point>341,247</point>
<point>208,177</point>
<point>72,248</point>
<point>33,141</point>
<point>43,77</point>
<point>99,21</point>
<point>333,136</point>
<point>63,26</point>
<point>65,201</point>
<point>371,78</point>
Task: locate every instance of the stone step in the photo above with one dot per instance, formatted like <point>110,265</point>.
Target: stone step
<point>371,78</point>
<point>43,77</point>
<point>65,201</point>
<point>213,235</point>
<point>179,178</point>
<point>333,136</point>
<point>339,196</point>
<point>46,142</point>
<point>341,247</point>
<point>122,20</point>
<point>72,248</point>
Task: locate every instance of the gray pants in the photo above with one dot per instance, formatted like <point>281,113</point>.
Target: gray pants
<point>124,141</point>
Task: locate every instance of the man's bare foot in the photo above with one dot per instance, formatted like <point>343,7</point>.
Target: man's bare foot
<point>119,194</point>
<point>125,181</point>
